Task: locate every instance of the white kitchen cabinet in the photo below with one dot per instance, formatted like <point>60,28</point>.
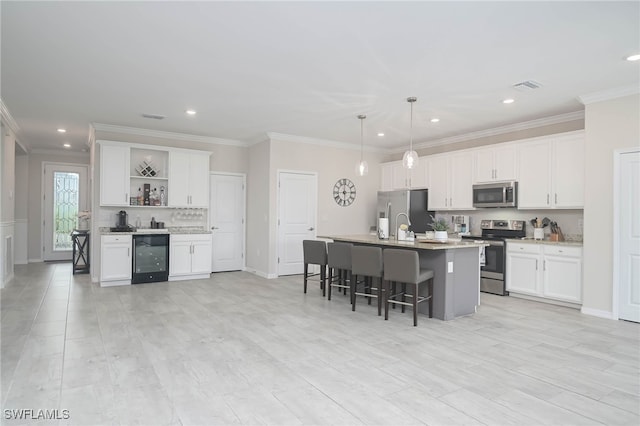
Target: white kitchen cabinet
<point>547,271</point>
<point>523,268</point>
<point>562,273</point>
<point>188,179</point>
<point>551,172</point>
<point>190,256</point>
<point>395,176</point>
<point>450,181</point>
<point>114,175</point>
<point>115,260</point>
<point>495,164</point>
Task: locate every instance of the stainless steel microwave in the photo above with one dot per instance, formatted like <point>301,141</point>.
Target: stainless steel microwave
<point>501,194</point>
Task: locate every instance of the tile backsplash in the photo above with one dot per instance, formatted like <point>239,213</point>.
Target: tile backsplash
<point>569,221</point>
<point>170,216</point>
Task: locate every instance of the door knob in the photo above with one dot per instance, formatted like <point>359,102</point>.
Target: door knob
<point>312,228</point>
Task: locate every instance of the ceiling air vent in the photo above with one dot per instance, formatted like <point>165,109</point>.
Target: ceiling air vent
<point>154,116</point>
<point>527,85</point>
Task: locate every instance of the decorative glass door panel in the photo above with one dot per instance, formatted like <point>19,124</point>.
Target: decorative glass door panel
<point>66,202</point>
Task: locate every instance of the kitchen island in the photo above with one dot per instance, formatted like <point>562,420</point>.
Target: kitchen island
<point>456,267</point>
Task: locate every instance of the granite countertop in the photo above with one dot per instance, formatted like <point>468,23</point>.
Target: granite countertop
<point>420,244</point>
<point>546,242</point>
<point>170,230</point>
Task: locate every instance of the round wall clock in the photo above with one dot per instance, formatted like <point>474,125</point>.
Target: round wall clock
<point>344,192</point>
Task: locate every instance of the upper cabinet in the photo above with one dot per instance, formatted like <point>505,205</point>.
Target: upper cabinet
<point>114,175</point>
<point>395,176</point>
<point>450,181</point>
<point>551,172</point>
<point>189,176</point>
<point>495,164</point>
<point>173,177</point>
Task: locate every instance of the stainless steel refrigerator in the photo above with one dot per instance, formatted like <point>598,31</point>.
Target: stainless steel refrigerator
<point>411,202</point>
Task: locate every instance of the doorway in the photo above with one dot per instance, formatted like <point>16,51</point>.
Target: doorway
<point>227,221</point>
<point>64,195</point>
<point>297,207</point>
<point>627,247</point>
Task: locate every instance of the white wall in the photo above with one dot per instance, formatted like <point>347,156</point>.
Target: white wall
<point>7,204</point>
<point>609,125</point>
<point>21,254</point>
<point>258,221</point>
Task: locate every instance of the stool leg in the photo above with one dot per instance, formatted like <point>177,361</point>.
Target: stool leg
<point>323,278</point>
<point>415,306</point>
<point>404,291</point>
<point>354,288</point>
<point>430,289</point>
<point>386,300</point>
<point>394,293</point>
<point>330,282</point>
<point>380,296</point>
<point>368,291</point>
<point>306,268</point>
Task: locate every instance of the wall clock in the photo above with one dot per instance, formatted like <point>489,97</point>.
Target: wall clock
<point>344,192</point>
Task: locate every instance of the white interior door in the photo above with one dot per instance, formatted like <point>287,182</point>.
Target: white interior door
<point>297,207</point>
<point>64,195</point>
<point>226,216</point>
<point>629,219</point>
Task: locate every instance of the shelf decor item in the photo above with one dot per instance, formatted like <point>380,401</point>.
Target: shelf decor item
<point>440,228</point>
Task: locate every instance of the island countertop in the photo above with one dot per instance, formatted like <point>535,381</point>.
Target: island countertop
<point>418,244</point>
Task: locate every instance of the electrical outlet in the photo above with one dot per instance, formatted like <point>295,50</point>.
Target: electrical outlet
<point>450,267</point>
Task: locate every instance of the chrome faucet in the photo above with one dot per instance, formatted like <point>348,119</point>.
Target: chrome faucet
<point>408,221</point>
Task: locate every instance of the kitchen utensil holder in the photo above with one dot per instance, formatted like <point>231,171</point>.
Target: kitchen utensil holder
<point>538,233</point>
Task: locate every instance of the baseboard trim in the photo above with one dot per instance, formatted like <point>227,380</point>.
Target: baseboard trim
<point>260,273</point>
<point>598,313</point>
<point>35,260</point>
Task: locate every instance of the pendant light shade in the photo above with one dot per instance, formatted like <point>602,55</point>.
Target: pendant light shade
<point>362,168</point>
<point>410,157</point>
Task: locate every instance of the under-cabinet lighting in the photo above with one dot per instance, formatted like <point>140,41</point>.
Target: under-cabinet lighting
<point>508,101</point>
<point>61,130</point>
<point>633,58</point>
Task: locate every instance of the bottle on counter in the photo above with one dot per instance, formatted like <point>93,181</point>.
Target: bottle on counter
<point>163,199</point>
<point>153,223</point>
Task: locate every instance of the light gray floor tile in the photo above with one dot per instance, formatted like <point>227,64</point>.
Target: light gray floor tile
<point>240,349</point>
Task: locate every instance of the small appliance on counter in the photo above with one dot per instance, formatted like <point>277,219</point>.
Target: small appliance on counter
<point>122,223</point>
<point>461,224</point>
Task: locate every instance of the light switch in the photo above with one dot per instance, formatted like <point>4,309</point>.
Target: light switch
<point>450,267</point>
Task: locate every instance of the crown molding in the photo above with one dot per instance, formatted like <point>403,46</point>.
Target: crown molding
<point>606,95</point>
<point>66,153</point>
<point>322,142</point>
<point>91,138</point>
<point>166,135</point>
<point>532,124</point>
<point>7,118</point>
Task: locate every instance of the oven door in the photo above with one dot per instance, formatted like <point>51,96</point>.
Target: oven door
<point>492,273</point>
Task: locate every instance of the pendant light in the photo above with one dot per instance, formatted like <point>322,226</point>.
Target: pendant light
<point>410,158</point>
<point>362,168</point>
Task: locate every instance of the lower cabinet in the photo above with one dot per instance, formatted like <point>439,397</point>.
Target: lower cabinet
<point>115,260</point>
<point>549,271</point>
<point>189,256</point>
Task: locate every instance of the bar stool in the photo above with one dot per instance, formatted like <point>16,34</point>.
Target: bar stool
<point>366,262</point>
<point>403,266</point>
<point>339,262</point>
<point>315,253</point>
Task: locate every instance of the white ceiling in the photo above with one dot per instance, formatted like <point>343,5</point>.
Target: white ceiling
<point>306,68</point>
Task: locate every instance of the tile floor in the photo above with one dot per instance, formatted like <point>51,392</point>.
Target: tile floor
<point>239,349</point>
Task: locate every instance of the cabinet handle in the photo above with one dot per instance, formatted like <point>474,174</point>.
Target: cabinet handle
<point>495,173</point>
<point>536,264</point>
<point>126,197</point>
<point>556,198</point>
<point>450,202</point>
<point>547,199</point>
<point>544,265</point>
<point>128,252</point>
<point>445,202</point>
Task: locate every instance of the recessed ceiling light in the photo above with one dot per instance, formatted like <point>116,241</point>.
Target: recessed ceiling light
<point>61,130</point>
<point>191,112</point>
<point>67,145</point>
<point>381,134</point>
<point>435,120</point>
<point>508,101</point>
<point>633,58</point>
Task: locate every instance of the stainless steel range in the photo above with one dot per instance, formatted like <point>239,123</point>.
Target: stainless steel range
<point>495,232</point>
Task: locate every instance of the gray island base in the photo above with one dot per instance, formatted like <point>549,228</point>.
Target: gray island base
<point>456,267</point>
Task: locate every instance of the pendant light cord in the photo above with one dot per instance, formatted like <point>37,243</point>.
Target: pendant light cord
<point>411,129</point>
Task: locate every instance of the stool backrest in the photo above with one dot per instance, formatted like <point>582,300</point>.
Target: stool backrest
<point>366,261</point>
<point>314,252</point>
<point>401,265</point>
<point>339,255</point>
